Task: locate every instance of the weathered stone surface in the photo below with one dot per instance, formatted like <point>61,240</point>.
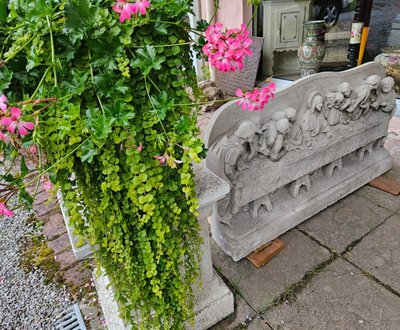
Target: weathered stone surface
<point>379,253</point>
<point>321,139</point>
<point>242,316</point>
<point>346,221</point>
<point>261,286</point>
<point>258,324</point>
<point>54,225</point>
<point>66,259</point>
<point>77,275</point>
<point>340,297</point>
<point>379,198</point>
<point>60,244</point>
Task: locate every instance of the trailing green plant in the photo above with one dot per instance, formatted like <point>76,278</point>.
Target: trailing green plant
<point>95,102</point>
<point>118,138</point>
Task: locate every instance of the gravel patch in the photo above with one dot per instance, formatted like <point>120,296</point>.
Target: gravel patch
<point>26,302</point>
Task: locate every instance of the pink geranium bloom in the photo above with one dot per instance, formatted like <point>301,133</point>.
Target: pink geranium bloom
<point>141,6</point>
<point>47,185</point>
<point>5,211</point>
<point>3,105</point>
<point>124,9</point>
<point>14,123</point>
<point>33,149</point>
<point>226,50</point>
<point>257,99</point>
<point>3,137</point>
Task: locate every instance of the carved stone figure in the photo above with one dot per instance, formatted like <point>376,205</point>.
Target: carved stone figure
<point>333,113</point>
<point>345,89</point>
<point>314,121</point>
<point>365,97</point>
<point>269,132</point>
<point>234,152</point>
<point>387,96</point>
<point>294,137</point>
<point>278,149</point>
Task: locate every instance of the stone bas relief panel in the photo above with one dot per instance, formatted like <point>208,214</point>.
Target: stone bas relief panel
<point>278,161</point>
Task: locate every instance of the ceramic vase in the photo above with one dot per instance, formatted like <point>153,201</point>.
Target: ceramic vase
<point>312,50</point>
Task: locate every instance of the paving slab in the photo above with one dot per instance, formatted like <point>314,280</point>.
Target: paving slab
<point>379,198</point>
<point>259,287</point>
<point>242,316</point>
<point>348,219</point>
<point>258,324</point>
<point>340,297</point>
<point>379,253</point>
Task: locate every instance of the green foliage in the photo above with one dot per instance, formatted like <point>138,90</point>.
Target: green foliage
<point>118,86</point>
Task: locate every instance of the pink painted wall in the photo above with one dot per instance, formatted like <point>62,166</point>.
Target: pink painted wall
<point>231,14</point>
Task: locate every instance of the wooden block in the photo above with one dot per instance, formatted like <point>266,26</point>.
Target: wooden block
<point>265,253</point>
<point>386,184</point>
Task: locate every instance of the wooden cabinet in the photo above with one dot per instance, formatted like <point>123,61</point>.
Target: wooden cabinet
<point>282,28</point>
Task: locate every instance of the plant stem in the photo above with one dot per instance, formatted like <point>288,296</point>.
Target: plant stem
<point>55,164</point>
<point>169,45</point>
<point>203,103</point>
<point>39,85</point>
<point>154,108</point>
<point>53,56</point>
<point>252,17</point>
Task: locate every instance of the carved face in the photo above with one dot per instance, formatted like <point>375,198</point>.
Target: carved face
<point>318,102</point>
<point>346,91</point>
<point>387,84</point>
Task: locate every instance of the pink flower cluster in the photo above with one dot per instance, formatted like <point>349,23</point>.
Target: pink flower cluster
<point>13,122</point>
<point>47,185</point>
<point>226,50</point>
<point>126,9</point>
<point>257,99</point>
<point>5,211</point>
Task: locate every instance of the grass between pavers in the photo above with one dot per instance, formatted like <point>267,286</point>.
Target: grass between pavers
<point>291,292</point>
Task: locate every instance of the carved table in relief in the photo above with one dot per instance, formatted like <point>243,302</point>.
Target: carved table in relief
<point>317,141</point>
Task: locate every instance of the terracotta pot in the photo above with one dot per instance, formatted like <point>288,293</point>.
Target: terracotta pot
<point>312,50</point>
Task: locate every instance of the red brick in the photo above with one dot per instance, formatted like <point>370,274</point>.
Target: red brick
<point>60,244</point>
<point>65,259</point>
<point>77,275</point>
<point>53,225</point>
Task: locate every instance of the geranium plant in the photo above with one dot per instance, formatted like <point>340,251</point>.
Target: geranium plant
<point>93,95</point>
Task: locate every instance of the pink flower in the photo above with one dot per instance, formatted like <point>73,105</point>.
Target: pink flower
<point>47,185</point>
<point>226,50</point>
<point>13,123</point>
<point>125,10</point>
<point>257,99</point>
<point>139,148</point>
<point>3,105</point>
<point>5,211</point>
<point>33,149</point>
<point>141,6</point>
<point>3,137</point>
<point>162,159</point>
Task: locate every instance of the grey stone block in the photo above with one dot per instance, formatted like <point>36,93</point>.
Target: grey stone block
<point>346,221</point>
<point>340,297</point>
<point>261,286</point>
<point>379,253</point>
<point>319,140</point>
